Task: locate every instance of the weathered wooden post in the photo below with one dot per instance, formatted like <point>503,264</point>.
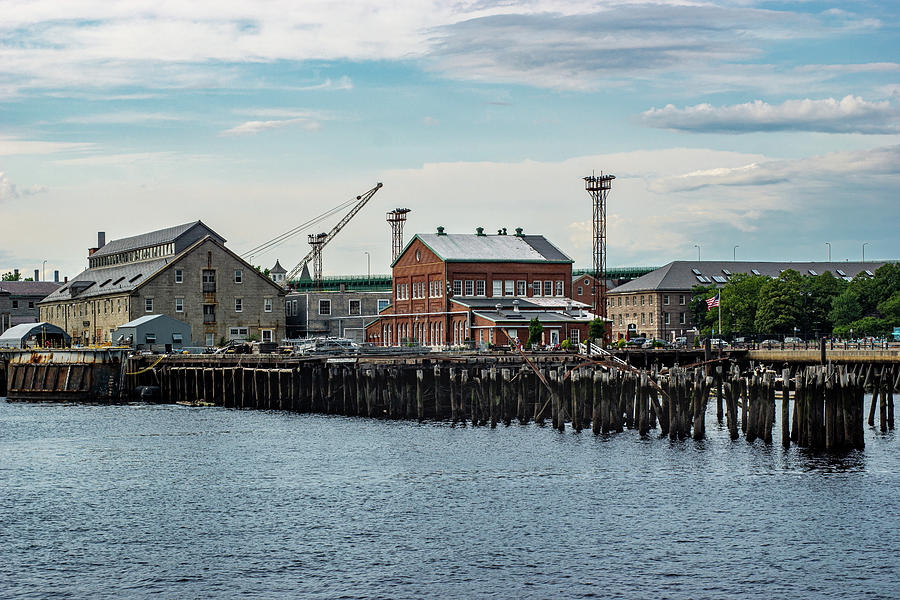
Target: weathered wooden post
<point>785,407</point>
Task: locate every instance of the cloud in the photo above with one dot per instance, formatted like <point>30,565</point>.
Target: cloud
<point>254,127</point>
<point>843,167</point>
<point>116,160</point>
<point>850,114</point>
<point>117,118</point>
<point>10,191</point>
<point>10,146</point>
<point>563,44</point>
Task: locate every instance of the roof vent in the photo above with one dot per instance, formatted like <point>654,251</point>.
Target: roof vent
<point>498,307</point>
<point>569,306</point>
<point>440,230</point>
<point>479,231</point>
<point>501,231</point>
<point>519,231</point>
<point>515,306</point>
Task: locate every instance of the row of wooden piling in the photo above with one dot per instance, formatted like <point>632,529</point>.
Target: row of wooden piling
<point>827,401</point>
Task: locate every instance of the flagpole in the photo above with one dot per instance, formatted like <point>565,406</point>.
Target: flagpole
<point>719,294</point>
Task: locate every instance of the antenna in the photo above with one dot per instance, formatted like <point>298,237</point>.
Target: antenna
<point>397,218</point>
<point>598,187</point>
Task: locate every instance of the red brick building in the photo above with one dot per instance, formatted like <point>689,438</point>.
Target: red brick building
<point>448,288</point>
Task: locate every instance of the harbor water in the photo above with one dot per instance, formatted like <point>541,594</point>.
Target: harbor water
<point>170,501</point>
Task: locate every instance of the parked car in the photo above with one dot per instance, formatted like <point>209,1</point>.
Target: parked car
<point>636,342</point>
<point>792,340</point>
<point>770,344</point>
<point>718,343</point>
<point>680,342</point>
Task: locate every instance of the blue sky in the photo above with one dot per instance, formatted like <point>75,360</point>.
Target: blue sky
<point>773,126</point>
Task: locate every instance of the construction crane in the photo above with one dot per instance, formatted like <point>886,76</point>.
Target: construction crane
<point>319,240</point>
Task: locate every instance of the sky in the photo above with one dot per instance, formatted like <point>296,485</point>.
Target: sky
<point>748,129</point>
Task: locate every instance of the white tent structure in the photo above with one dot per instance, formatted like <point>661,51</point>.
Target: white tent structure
<point>34,335</point>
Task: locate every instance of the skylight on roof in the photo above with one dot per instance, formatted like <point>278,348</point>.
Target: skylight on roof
<point>845,278</point>
<point>811,272</point>
<point>105,282</point>
<point>841,273</point>
<point>117,281</point>
<point>755,272</point>
<point>135,278</point>
<point>727,272</point>
<point>695,271</point>
<point>870,273</point>
<point>719,279</point>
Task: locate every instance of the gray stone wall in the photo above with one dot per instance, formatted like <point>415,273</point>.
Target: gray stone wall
<point>308,321</point>
<point>254,290</point>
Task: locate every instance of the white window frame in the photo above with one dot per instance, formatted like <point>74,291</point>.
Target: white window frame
<point>509,287</point>
<point>238,305</point>
<point>238,276</point>
<point>238,333</point>
<point>575,336</point>
<point>560,288</point>
<point>267,304</point>
<point>179,275</point>
<point>536,287</point>
<point>681,318</point>
<point>457,287</point>
<point>470,288</point>
<point>480,286</point>
<point>666,318</point>
<point>548,288</point>
<point>179,304</point>
<point>497,288</point>
<point>665,299</point>
<point>382,304</point>
<point>266,335</point>
<point>681,299</point>
<point>148,305</point>
<point>521,288</point>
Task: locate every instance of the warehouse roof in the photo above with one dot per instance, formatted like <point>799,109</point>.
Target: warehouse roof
<point>100,281</point>
<point>685,274</point>
<point>28,288</point>
<point>16,336</point>
<point>507,316</point>
<point>537,303</point>
<point>464,247</point>
<point>151,238</point>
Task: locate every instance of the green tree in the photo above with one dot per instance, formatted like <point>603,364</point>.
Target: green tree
<point>10,276</point>
<point>780,304</point>
<point>698,308</point>
<point>890,309</point>
<point>535,331</point>
<point>597,329</point>
<point>820,293</point>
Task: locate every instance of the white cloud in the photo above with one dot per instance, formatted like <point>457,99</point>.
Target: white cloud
<point>10,146</point>
<point>10,191</point>
<point>117,118</point>
<point>850,114</point>
<point>254,127</point>
<point>117,160</point>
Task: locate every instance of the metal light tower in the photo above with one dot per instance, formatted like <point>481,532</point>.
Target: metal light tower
<point>397,218</point>
<point>316,241</point>
<point>598,187</point>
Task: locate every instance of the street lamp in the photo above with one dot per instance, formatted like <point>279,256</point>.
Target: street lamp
<point>829,250</point>
<point>697,246</point>
<point>734,253</point>
<point>368,267</point>
<point>864,251</point>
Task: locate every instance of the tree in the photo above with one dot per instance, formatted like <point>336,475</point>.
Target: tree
<point>535,331</point>
<point>11,276</point>
<point>890,309</point>
<point>699,295</point>
<point>780,304</point>
<point>597,329</point>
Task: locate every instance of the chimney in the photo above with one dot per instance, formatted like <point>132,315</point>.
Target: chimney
<point>440,230</point>
<point>101,239</point>
<point>37,274</point>
<point>55,276</point>
<point>479,231</point>
<point>515,306</point>
<point>66,279</point>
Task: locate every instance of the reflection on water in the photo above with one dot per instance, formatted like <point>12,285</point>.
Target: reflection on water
<point>143,500</point>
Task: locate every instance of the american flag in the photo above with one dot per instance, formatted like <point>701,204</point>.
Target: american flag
<point>712,302</point>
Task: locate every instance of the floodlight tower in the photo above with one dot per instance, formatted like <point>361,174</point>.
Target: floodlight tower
<point>397,218</point>
<point>316,241</point>
<point>598,187</point>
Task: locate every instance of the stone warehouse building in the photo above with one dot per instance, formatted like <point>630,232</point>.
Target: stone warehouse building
<point>657,305</point>
<point>449,288</point>
<point>184,272</point>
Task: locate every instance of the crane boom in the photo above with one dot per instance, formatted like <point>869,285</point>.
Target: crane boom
<point>362,200</point>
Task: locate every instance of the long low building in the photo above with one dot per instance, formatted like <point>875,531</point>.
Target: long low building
<point>657,305</point>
